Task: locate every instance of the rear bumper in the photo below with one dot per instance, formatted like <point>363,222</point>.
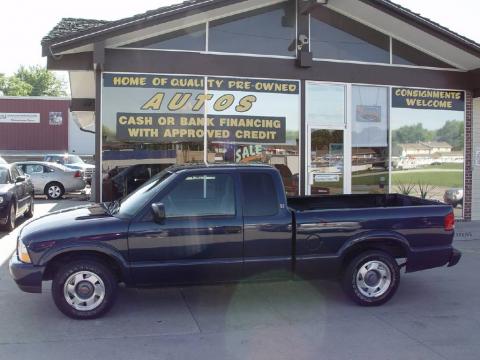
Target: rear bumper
<point>455,257</point>
<point>27,276</point>
<point>429,258</point>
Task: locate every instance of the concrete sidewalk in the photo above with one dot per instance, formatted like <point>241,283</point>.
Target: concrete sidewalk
<point>467,230</point>
<point>434,315</point>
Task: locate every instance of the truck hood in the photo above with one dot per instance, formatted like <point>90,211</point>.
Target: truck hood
<point>83,223</point>
<point>80,166</point>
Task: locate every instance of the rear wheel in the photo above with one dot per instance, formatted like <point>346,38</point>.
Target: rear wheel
<point>84,289</point>
<point>54,190</point>
<point>371,278</point>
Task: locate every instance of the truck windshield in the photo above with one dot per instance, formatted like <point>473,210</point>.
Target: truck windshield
<point>134,202</point>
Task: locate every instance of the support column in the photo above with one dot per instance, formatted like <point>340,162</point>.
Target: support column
<point>467,186</point>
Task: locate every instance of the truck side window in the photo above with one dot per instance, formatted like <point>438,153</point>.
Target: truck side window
<point>259,195</point>
<point>201,195</point>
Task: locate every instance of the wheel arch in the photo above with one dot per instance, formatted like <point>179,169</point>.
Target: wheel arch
<point>53,262</point>
<point>394,244</point>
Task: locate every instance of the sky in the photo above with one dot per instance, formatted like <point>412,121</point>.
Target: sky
<point>25,22</point>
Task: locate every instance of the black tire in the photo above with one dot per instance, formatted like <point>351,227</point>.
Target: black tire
<point>29,213</point>
<point>353,273</point>
<point>10,225</point>
<point>84,265</point>
<point>54,190</point>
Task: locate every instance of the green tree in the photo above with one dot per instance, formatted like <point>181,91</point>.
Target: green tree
<point>32,81</point>
<point>411,134</point>
<point>453,133</point>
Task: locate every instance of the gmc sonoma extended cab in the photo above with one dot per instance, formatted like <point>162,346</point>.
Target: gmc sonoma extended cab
<point>226,223</point>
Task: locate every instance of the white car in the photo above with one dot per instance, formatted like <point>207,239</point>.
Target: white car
<point>2,161</point>
<point>52,180</point>
<point>74,162</point>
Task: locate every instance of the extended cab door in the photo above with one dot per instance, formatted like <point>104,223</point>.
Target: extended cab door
<point>267,226</point>
<point>201,237</point>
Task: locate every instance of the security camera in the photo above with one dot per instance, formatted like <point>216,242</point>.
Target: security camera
<point>302,39</point>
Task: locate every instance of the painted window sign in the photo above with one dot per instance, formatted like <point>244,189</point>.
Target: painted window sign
<point>169,108</point>
<point>429,99</point>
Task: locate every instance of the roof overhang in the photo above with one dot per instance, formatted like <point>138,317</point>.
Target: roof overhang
<point>412,30</point>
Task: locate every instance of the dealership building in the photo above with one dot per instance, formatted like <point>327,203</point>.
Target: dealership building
<point>341,96</point>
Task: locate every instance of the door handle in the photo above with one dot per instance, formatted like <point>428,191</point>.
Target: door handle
<point>232,229</point>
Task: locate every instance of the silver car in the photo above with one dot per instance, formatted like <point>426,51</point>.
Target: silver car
<point>51,179</point>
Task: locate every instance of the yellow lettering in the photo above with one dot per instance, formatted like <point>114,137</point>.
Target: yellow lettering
<point>154,103</point>
<point>245,103</point>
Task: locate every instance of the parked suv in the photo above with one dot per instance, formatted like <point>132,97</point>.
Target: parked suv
<point>74,162</point>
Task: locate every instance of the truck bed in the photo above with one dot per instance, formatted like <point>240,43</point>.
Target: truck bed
<point>325,225</point>
<point>355,201</point>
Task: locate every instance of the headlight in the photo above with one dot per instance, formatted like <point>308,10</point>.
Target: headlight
<point>1,200</point>
<point>22,252</point>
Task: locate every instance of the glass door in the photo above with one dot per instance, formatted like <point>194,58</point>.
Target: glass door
<point>325,161</point>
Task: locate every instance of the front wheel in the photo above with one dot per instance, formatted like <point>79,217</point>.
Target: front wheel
<point>11,218</point>
<point>371,278</point>
<point>84,289</point>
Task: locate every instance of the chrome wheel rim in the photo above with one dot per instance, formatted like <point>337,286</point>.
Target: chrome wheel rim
<point>373,279</point>
<point>54,191</point>
<point>84,291</point>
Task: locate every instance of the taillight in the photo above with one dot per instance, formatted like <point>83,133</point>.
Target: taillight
<point>77,174</point>
<point>449,222</point>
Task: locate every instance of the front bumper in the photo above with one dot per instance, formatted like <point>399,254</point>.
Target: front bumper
<point>454,258</point>
<point>27,276</point>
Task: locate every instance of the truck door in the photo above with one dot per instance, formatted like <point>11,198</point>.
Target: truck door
<point>267,226</point>
<point>201,238</point>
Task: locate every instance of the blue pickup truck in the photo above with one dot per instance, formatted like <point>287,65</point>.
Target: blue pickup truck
<point>201,224</point>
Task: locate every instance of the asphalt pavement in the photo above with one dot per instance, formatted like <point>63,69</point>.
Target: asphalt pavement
<point>434,315</point>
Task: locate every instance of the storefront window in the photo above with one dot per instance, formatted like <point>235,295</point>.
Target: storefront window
<point>325,104</point>
<point>255,121</point>
<point>334,36</point>
<point>192,38</point>
<point>151,121</point>
<point>428,144</point>
<point>406,55</point>
<point>369,139</point>
<point>266,31</point>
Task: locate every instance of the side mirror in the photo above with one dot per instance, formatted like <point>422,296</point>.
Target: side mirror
<point>20,179</point>
<point>158,212</point>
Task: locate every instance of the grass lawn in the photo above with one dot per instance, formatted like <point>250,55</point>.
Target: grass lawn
<point>441,178</point>
<point>446,166</point>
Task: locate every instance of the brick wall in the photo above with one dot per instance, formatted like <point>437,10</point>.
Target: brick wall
<point>467,186</point>
<point>475,211</point>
